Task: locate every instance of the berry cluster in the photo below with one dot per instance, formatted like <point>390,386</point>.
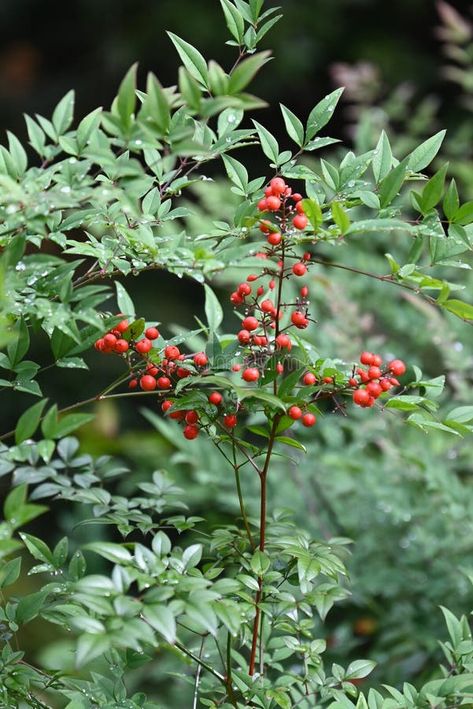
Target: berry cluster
<point>370,383</point>
<point>263,341</point>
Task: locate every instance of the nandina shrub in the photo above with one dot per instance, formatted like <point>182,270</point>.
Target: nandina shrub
<point>234,605</point>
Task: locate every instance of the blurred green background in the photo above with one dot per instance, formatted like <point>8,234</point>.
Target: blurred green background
<point>405,498</point>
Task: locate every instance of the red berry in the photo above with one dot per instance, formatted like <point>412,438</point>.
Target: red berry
<point>190,432</point>
<point>283,342</point>
<point>273,203</point>
<point>294,412</point>
<point>306,256</point>
<point>259,291</point>
<point>394,382</point>
<point>260,340</point>
<point>230,420</point>
<point>164,383</point>
<point>309,379</point>
<point>367,358</point>
<point>299,320</point>
<point>252,277</point>
<point>216,398</point>
<point>328,380</point>
<point>374,389</point>
<point>133,383</point>
<point>251,374</point>
<point>244,289</point>
<point>201,359</point>
<point>250,323</point>
<point>279,368</point>
<point>236,367</point>
<point>166,405</point>
<point>268,191</point>
<point>272,285</point>
<point>277,185</point>
<point>300,221</point>
<point>147,382</point>
<point>99,344</point>
<point>122,326</point>
<point>192,417</point>
<point>151,369</point>
<point>152,333</point>
<point>267,306</point>
<point>397,367</point>
<point>143,346</point>
<point>361,397</point>
<point>377,360</point>
<point>262,205</point>
<point>385,384</point>
<point>299,269</point>
<point>265,226</point>
<point>300,208</point>
<point>274,238</point>
<point>171,352</point>
<point>352,382</point>
<point>109,340</point>
<point>374,372</point>
<point>308,420</point>
<point>296,197</point>
<point>177,415</point>
<point>304,292</point>
<point>121,346</point>
<point>244,337</point>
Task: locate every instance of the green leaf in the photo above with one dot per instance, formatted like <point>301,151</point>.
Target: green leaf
<point>37,548</point>
<point>261,395</point>
<point>161,619</point>
<point>157,105</point>
<point>433,190</point>
<point>29,606</point>
<point>192,555</point>
<point>382,158</point>
<point>213,309</point>
<point>17,153</point>
<point>291,442</point>
<point>391,184</point>
<point>322,113</point>
<point>126,98</point>
<point>294,127</point>
<point>111,551</point>
<point>459,308</point>
<point>191,58</point>
<point>269,144</point>
<point>313,212</point>
<point>87,127</point>
<point>234,20</point>
<point>90,646</point>
<point>451,202</point>
<point>425,153</point>
<point>125,303</point>
<point>340,217</point>
<point>20,344</point>
<point>64,113</point>
<point>29,421</point>
<point>246,70</point>
<point>236,172</point>
<point>359,669</point>
<point>15,499</point>
<point>9,572</point>
<point>260,563</point>
<point>464,215</point>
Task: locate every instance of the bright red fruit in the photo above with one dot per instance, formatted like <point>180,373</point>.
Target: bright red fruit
<point>277,185</point>
<point>299,320</point>
<point>201,359</point>
<point>304,292</point>
<point>262,205</point>
<point>244,289</point>
<point>164,383</point>
<point>244,337</point>
<point>283,342</point>
<point>190,432</point>
<point>192,417</point>
<point>267,306</point>
<point>377,360</point>
<point>309,379</point>
<point>147,382</point>
<point>216,398</point>
<point>274,238</point>
<point>122,326</point>
<point>361,397</point>
<point>296,197</point>
<point>252,277</point>
<point>300,208</point>
<point>397,367</point>
<point>299,269</point>
<point>251,374</point>
<point>294,412</point>
<point>133,383</point>
<point>273,203</point>
<point>308,420</point>
<point>367,358</point>
<point>166,405</point>
<point>99,344</point>
<point>385,384</point>
<point>121,346</point>
<point>172,352</point>
<point>230,420</point>
<point>374,389</point>
<point>109,340</point>
<point>279,368</point>
<point>374,372</point>
<point>250,323</point>
<point>152,333</point>
<point>143,346</point>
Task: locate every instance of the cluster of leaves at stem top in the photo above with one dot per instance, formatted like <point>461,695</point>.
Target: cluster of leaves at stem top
<point>104,198</point>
